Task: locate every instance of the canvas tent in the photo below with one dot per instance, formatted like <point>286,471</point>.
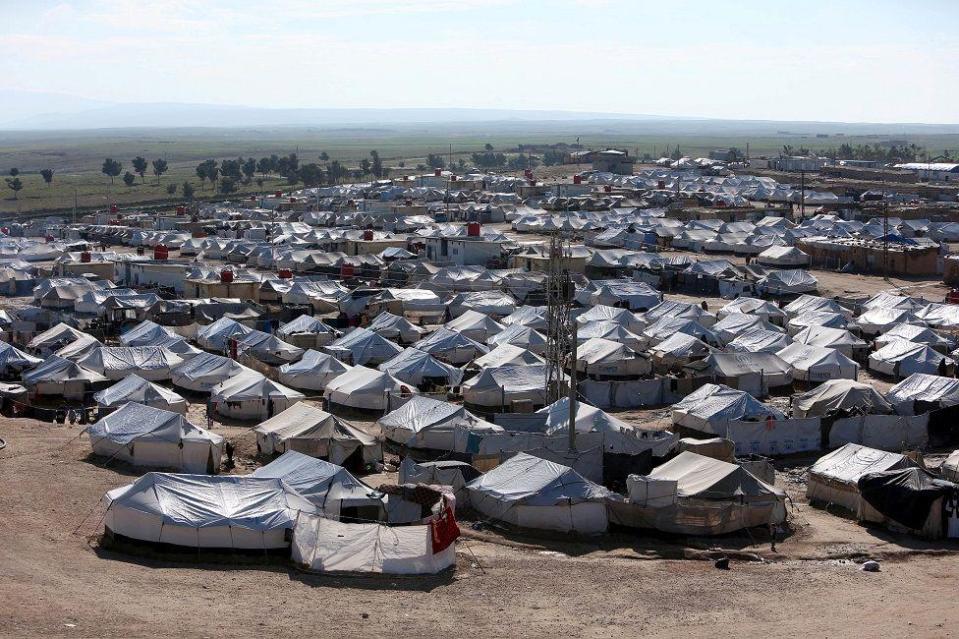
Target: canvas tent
<point>530,492</point>
<point>116,362</point>
<point>753,306</point>
<point>735,324</point>
<point>396,328</point>
<point>200,511</point>
<point>365,388</point>
<point>216,336</point>
<point>422,370</point>
<point>840,396</point>
<point>250,395</point>
<point>268,349</point>
<point>13,361</point>
<point>446,472</point>
<point>306,331</point>
<point>334,492</point>
<point>499,388</point>
<point>451,347</point>
<point>618,436</point>
<point>759,340</point>
<point>901,358</point>
<point>920,393</point>
<point>313,372</point>
<point>838,339</point>
<point>361,347</point>
<point>680,349</point>
<point>145,334</point>
<point>53,339</point>
<point>521,336</point>
<point>58,376</point>
<point>205,371</point>
<point>621,316</point>
<point>817,364</point>
<point>710,409</point>
<point>754,373</point>
<point>603,358</point>
<point>151,437</point>
<point>433,424</point>
<point>506,355</point>
<point>913,499</point>
<point>696,495</point>
<point>475,325</point>
<point>917,335</point>
<point>834,478</point>
<point>312,431</point>
<point>134,388</point>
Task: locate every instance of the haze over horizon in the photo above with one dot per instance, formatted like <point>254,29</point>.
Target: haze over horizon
<point>898,65</point>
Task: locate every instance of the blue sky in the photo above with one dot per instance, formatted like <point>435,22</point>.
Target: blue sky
<point>855,60</point>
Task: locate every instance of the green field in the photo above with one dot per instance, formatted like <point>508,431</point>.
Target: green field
<point>77,156</point>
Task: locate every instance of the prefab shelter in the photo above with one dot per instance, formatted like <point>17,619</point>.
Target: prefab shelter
<point>817,364</point>
<point>692,494</point>
<point>201,373</point>
<point>834,478</point>
<point>250,395</point>
<point>842,397</point>
<point>152,437</point>
<point>422,370</point>
<point>334,492</point>
<point>134,388</point>
<point>312,431</point>
<point>901,358</point>
<point>313,372</point>
<point>58,376</point>
<point>365,388</point>
<point>200,511</point>
<point>530,492</point>
<point>361,347</point>
<point>116,362</point>
<point>427,423</point>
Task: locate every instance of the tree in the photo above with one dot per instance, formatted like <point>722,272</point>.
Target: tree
<point>140,166</point>
<point>227,184</point>
<point>187,191</point>
<point>159,168</point>
<point>335,172</point>
<point>377,166</point>
<point>171,188</point>
<point>311,174</point>
<point>129,178</point>
<point>232,169</point>
<point>14,172</point>
<point>249,169</point>
<point>324,156</point>
<point>365,166</point>
<point>264,166</point>
<point>15,184</point>
<point>488,146</point>
<point>435,161</point>
<point>47,175</point>
<point>208,170</point>
<point>111,168</point>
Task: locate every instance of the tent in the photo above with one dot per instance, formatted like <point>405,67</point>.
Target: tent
<point>365,388</point>
<point>901,358</point>
<point>611,331</point>
<point>506,355</point>
<point>146,333</point>
<point>531,492</point>
<point>838,339</point>
<point>618,436</point>
<point>361,347</point>
<point>151,437</point>
<point>842,396</point>
<point>950,467</point>
<point>250,395</point>
<point>53,339</point>
<point>205,371</point>
<point>834,478</point>
<point>446,472</point>
<point>306,331</point>
<point>396,328</point>
<point>787,282</point>
<point>79,348</point>
<point>134,388</point>
<point>451,347</point>
<point>783,257</point>
<point>13,361</point>
<point>268,349</point>
<point>58,376</point>
<point>692,494</point>
<point>603,358</point>
<point>879,320</point>
<point>216,336</point>
<point>734,324</point>
<point>753,306</point>
<point>710,408</point>
<point>754,373</point>
<point>312,431</point>
<point>812,303</point>
<point>116,362</point>
<point>422,370</point>
<point>521,336</point>
<point>324,545</point>
<point>475,325</point>
<point>817,364</point>
<point>917,335</point>
<point>200,511</point>
<point>816,318</point>
<point>621,316</point>
<point>667,326</point>
<point>680,349</point>
<point>920,393</point>
<point>531,316</point>
<point>328,486</point>
<point>313,372</point>
<point>433,424</point>
<point>499,388</point>
<point>759,340</point>
<point>910,498</point>
<point>679,310</point>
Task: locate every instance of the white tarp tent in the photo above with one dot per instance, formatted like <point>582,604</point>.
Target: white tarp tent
<point>58,376</point>
<point>710,409</point>
<point>840,395</point>
<point>433,424</point>
<point>396,328</point>
<point>475,325</point>
<point>250,395</point>
<point>834,478</point>
<point>134,388</point>
<point>216,336</point>
<point>415,367</point>
<point>201,511</point>
<point>201,373</point>
<point>312,431</point>
<point>451,346</point>
<point>361,347</point>
<point>531,492</point>
<point>817,364</point>
<point>496,388</point>
<point>759,340</point>
<point>313,372</point>
<point>901,358</point>
<point>151,437</point>
<point>598,357</point>
<point>116,362</point>
<point>365,388</point>
<point>933,391</point>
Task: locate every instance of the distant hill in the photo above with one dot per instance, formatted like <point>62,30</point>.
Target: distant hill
<point>35,111</point>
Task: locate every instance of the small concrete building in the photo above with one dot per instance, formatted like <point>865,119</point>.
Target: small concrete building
<point>613,161</point>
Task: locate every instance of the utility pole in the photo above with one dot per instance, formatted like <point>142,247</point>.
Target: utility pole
<point>561,333</point>
<point>74,205</point>
<point>802,197</point>
<point>885,234</point>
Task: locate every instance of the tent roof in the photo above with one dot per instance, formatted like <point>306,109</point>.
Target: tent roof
<point>707,478</point>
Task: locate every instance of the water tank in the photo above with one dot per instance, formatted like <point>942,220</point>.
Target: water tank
<point>278,194</point>
<point>114,208</point>
<point>473,229</point>
<point>346,271</point>
<point>285,274</point>
<point>607,188</point>
<point>437,172</point>
<point>161,252</point>
<point>577,179</point>
<point>368,235</point>
<point>85,257</point>
<point>226,276</point>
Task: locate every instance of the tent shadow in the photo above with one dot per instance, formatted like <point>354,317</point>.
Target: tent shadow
<point>120,467</point>
<point>157,556</point>
<point>361,581</point>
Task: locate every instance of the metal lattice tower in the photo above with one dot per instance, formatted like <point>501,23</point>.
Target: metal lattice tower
<point>560,332</point>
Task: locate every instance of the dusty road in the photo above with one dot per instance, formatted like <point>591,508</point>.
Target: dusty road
<point>57,582</point>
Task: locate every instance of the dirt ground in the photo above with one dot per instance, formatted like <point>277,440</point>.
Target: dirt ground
<point>56,581</point>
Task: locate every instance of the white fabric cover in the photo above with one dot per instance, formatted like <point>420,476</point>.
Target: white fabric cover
<point>249,396</point>
<point>136,389</point>
<point>365,388</point>
<point>313,372</point>
<point>710,408</point>
<point>920,387</point>
<point>817,364</point>
<point>413,366</point>
<point>424,422</point>
<point>201,373</point>
<point>840,394</point>
<point>116,362</point>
